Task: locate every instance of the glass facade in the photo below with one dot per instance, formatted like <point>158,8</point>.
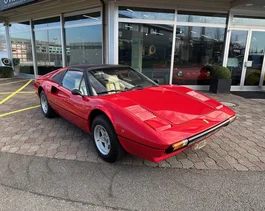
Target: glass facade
<point>236,55</point>
<point>48,44</point>
<point>249,21</point>
<point>147,48</point>
<point>256,56</point>
<point>22,47</point>
<point>83,39</point>
<point>197,47</point>
<point>145,13</point>
<point>3,47</point>
<point>146,41</point>
<point>198,17</point>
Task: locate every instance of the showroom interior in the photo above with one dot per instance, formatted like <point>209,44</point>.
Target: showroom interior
<point>170,41</point>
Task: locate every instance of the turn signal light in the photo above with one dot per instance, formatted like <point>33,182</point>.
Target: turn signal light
<point>233,118</point>
<point>177,146</point>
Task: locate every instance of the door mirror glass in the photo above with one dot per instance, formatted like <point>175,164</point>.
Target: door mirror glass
<point>76,92</point>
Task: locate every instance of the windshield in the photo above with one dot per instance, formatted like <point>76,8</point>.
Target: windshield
<point>113,80</point>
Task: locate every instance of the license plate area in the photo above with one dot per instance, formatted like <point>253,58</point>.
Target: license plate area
<point>199,145</point>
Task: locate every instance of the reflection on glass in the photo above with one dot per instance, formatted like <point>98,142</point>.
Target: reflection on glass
<point>82,19</point>
<point>48,50</point>
<point>48,45</point>
<point>147,48</point>
<point>145,13</point>
<point>236,55</point>
<point>3,47</point>
<point>84,43</point>
<point>197,47</point>
<point>248,21</point>
<point>21,47</point>
<point>49,22</point>
<point>256,56</point>
<point>186,16</point>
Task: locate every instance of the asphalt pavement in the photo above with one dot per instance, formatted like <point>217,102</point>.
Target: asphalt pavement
<point>37,183</point>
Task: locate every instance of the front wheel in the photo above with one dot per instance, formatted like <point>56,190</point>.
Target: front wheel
<point>45,106</point>
<point>106,140</point>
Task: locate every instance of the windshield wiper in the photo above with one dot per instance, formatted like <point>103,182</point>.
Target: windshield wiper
<point>114,90</point>
<point>138,87</point>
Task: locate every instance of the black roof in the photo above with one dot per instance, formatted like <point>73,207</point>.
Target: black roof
<point>96,66</point>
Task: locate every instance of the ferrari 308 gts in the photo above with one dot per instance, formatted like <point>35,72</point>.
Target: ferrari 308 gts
<point>125,111</point>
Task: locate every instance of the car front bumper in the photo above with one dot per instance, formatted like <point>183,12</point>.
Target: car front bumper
<point>157,155</point>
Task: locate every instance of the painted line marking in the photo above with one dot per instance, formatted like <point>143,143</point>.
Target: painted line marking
<point>7,93</point>
<point>20,110</point>
<point>13,82</point>
<point>14,93</point>
<point>5,79</point>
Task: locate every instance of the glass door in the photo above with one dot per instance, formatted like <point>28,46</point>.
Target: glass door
<point>236,55</point>
<point>255,62</point>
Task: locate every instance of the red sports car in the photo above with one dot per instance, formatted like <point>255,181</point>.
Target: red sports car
<point>127,112</point>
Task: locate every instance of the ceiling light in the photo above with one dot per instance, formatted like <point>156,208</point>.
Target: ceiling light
<point>193,32</point>
<point>129,10</point>
<point>248,5</point>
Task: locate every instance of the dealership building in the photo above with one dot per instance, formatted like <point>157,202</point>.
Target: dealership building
<point>169,40</point>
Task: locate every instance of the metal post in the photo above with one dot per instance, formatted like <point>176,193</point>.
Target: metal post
<point>113,33</point>
<point>173,49</point>
<point>33,44</point>
<point>227,40</point>
<point>63,41</point>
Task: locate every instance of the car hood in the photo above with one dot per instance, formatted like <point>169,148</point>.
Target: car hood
<point>173,104</point>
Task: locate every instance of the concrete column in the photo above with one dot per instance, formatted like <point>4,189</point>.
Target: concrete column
<point>33,43</point>
<point>8,41</point>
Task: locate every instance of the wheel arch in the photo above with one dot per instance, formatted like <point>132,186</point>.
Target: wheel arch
<point>98,111</point>
<point>40,89</point>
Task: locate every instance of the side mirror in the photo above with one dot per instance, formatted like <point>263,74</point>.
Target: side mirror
<point>156,80</point>
<point>76,92</point>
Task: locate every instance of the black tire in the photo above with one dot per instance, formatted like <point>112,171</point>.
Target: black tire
<point>49,112</point>
<point>116,151</point>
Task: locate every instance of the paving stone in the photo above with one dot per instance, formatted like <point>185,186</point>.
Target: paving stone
<point>200,165</point>
<point>149,163</point>
<point>239,167</point>
<point>186,163</point>
<point>5,149</point>
<point>72,150</point>
<point>70,157</point>
<point>164,164</point>
<point>60,155</point>
<point>174,162</point>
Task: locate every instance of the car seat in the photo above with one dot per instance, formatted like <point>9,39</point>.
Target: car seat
<point>113,83</point>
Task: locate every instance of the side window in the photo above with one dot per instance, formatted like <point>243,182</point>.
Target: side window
<point>72,79</point>
<point>83,87</point>
<point>58,77</point>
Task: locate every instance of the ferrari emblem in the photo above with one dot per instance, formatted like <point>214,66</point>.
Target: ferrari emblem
<point>206,121</point>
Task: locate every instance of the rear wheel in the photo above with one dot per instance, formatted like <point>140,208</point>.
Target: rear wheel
<point>106,140</point>
<point>45,106</point>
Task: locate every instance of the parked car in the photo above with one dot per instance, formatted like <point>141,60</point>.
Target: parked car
<point>185,74</point>
<point>127,112</point>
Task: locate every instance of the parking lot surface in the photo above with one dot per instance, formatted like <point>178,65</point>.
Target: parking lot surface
<point>24,130</point>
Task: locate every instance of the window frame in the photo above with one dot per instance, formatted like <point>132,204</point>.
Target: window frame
<point>63,72</point>
<point>84,75</point>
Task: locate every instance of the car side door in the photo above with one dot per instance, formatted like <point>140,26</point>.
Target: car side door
<point>73,107</point>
